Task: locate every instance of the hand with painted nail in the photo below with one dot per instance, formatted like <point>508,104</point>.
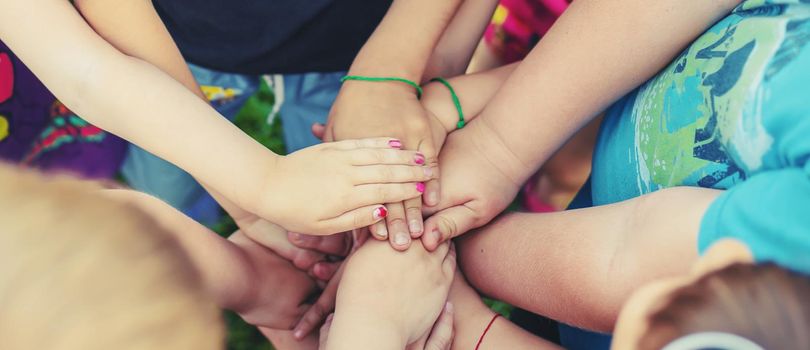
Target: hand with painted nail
<point>476,187</point>
<point>370,110</point>
<point>376,294</point>
<point>339,186</point>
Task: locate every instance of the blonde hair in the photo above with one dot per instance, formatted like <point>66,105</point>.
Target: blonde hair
<point>79,271</point>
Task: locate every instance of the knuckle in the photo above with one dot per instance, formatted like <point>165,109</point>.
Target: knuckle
<point>448,227</point>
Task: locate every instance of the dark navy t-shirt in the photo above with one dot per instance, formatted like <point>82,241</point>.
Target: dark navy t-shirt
<point>271,36</point>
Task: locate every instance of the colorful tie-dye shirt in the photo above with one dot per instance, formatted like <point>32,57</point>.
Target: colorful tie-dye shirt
<point>731,112</point>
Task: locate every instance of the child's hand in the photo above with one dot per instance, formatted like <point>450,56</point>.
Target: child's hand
<point>392,298</point>
<point>469,201</point>
<point>277,291</point>
<point>339,186</point>
<point>365,109</point>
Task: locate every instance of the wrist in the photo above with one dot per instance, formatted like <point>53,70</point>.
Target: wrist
<point>378,332</point>
<point>495,149</point>
<point>388,87</point>
<point>263,197</point>
<point>438,101</point>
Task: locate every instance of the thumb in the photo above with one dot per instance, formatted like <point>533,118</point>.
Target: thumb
<point>318,130</point>
<point>446,224</point>
<point>431,196</point>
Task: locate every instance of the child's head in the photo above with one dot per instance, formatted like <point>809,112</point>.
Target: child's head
<point>739,306</point>
<point>78,271</point>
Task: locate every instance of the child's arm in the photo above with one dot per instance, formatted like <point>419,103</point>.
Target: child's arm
<point>596,52</point>
<point>134,28</point>
<point>264,288</point>
<point>305,192</point>
<point>455,49</point>
<point>580,266</point>
<point>472,316</point>
<point>473,91</point>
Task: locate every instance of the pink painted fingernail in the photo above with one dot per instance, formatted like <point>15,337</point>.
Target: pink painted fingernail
<point>420,187</point>
<point>380,213</point>
<point>395,144</point>
<point>419,158</point>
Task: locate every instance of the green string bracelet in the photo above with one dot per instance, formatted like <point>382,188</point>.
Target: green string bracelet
<point>456,102</point>
<point>381,79</point>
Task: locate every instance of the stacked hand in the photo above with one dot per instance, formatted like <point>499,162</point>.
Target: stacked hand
<point>365,109</point>
<point>363,174</point>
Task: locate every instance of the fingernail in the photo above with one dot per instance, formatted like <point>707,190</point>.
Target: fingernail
<point>382,231</point>
<point>414,226</point>
<point>420,186</point>
<point>448,307</point>
<point>433,198</point>
<point>402,238</point>
<point>330,317</point>
<point>295,236</point>
<point>298,334</point>
<point>428,171</point>
<point>395,144</point>
<point>419,158</point>
<point>380,213</point>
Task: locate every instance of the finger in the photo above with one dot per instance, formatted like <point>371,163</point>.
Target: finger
<point>324,271</point>
<point>374,156</point>
<point>447,224</point>
<point>318,130</point>
<point>303,259</point>
<point>338,244</point>
<point>354,219</point>
<point>372,174</point>
<point>369,194</point>
<point>324,334</point>
<point>432,194</point>
<point>413,213</point>
<point>399,238</point>
<point>376,142</point>
<point>449,263</point>
<point>441,337</point>
<point>317,312</point>
<point>431,153</point>
<point>379,231</point>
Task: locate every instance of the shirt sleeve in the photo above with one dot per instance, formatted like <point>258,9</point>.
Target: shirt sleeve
<point>770,213</point>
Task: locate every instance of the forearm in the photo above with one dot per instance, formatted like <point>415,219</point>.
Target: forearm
<point>402,44</point>
<point>595,53</point>
<point>147,107</point>
<point>354,329</point>
<point>223,267</point>
<point>473,90</point>
<point>134,28</point>
<point>472,317</point>
<point>457,45</point>
<point>580,266</point>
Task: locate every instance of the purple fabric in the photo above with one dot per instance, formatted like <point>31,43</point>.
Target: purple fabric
<point>37,130</point>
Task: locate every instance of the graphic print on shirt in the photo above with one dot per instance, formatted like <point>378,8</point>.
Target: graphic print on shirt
<point>711,98</point>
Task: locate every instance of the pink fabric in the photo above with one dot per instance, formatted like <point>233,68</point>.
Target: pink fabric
<point>525,23</point>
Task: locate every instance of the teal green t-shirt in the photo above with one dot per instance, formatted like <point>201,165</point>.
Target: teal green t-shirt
<point>731,112</point>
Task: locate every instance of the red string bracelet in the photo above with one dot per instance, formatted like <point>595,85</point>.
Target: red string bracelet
<point>481,339</point>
